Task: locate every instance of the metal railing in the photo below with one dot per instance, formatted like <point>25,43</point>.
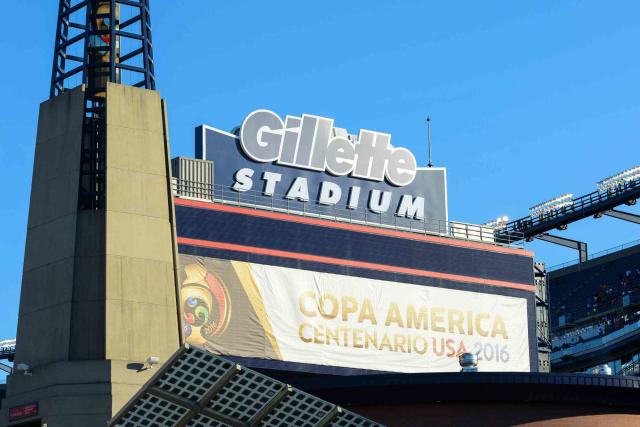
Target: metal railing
<point>595,255</point>
<point>278,203</point>
<point>630,369</point>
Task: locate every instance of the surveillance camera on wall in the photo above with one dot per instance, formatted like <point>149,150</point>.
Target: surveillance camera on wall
<point>153,360</point>
<point>24,368</point>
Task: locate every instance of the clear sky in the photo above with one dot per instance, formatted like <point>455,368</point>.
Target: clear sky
<point>528,100</point>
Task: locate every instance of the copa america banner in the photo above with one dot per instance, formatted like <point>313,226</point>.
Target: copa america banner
<point>252,310</point>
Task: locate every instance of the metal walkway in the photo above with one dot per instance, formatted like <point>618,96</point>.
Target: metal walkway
<point>593,204</point>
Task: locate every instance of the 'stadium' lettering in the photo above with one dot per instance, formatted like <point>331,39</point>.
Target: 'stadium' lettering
<point>329,193</point>
<point>306,143</point>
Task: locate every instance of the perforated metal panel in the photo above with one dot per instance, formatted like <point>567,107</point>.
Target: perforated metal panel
<point>194,374</point>
<point>198,389</point>
<point>245,395</point>
<point>204,421</point>
<point>299,409</point>
<point>153,411</point>
<point>349,419</point>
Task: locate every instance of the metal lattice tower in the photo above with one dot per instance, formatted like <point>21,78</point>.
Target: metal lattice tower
<point>100,41</point>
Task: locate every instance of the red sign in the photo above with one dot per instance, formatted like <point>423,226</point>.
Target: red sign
<point>23,411</point>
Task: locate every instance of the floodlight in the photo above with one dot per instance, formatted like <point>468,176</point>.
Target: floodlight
<point>551,206</point>
<point>613,182</point>
<point>500,222</point>
<point>8,343</point>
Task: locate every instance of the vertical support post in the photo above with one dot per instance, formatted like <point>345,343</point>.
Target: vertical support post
<point>87,44</point>
<point>582,252</point>
<point>58,60</point>
<point>429,164</point>
<point>113,16</point>
<point>147,45</point>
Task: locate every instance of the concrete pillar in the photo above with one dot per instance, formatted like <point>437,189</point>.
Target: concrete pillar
<point>99,287</point>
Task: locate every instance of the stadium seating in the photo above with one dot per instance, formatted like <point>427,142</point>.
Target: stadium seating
<point>594,302</point>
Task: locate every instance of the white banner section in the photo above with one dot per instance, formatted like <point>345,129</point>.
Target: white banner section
<point>336,320</point>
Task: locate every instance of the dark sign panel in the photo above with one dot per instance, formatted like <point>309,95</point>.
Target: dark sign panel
<point>304,163</point>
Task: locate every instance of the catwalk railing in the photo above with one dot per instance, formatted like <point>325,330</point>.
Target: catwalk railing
<point>630,369</point>
<point>612,250</point>
<point>362,216</point>
<point>591,204</point>
<point>7,349</point>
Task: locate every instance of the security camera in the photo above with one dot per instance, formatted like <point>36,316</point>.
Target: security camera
<point>24,368</point>
<point>153,360</point>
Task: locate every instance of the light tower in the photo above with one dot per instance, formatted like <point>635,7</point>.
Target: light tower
<point>99,278</point>
<point>84,50</point>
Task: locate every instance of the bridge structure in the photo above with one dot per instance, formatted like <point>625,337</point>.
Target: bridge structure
<point>7,352</point>
<point>596,204</point>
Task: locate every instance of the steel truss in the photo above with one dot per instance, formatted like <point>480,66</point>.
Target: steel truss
<point>596,203</point>
<point>100,41</point>
<point>74,44</point>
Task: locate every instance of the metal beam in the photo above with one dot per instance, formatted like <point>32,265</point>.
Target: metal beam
<point>581,247</point>
<point>101,34</point>
<point>625,216</point>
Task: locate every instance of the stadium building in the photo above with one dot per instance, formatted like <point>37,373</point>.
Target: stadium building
<point>288,264</point>
<point>285,266</point>
<point>595,316</point>
<point>592,316</point>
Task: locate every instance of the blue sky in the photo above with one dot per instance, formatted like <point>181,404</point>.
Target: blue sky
<point>528,100</point>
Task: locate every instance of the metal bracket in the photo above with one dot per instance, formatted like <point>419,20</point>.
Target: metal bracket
<point>541,303</point>
<point>8,369</point>
<point>581,247</point>
<point>625,216</point>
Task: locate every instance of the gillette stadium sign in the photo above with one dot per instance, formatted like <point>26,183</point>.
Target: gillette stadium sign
<point>304,163</point>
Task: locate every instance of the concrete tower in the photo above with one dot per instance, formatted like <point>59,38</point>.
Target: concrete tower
<point>99,279</point>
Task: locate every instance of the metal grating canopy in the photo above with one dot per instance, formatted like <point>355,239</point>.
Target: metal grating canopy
<point>198,389</point>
